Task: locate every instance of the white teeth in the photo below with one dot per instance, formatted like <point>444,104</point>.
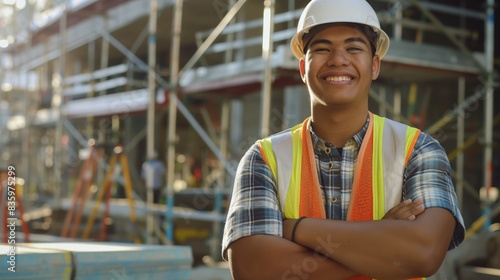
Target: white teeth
<point>338,78</point>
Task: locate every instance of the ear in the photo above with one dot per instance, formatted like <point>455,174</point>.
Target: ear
<point>302,67</point>
<point>375,67</point>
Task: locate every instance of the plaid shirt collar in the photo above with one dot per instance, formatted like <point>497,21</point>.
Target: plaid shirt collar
<point>358,137</point>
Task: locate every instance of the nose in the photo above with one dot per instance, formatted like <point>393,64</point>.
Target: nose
<point>338,58</point>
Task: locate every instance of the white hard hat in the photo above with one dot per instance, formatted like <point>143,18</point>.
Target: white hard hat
<point>319,12</point>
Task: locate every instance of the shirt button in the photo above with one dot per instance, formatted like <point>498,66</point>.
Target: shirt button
<point>330,165</point>
<point>333,200</point>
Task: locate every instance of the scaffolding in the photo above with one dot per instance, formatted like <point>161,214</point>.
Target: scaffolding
<point>244,54</point>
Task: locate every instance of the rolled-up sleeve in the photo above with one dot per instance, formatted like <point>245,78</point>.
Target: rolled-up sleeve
<point>254,207</point>
<point>428,177</point>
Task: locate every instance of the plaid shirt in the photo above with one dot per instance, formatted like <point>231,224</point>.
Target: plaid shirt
<point>255,206</point>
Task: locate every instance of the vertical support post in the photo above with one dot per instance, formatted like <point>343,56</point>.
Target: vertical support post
<point>489,110</point>
<point>228,56</point>
<point>172,116</point>
<point>412,100</point>
<point>104,62</point>
<point>397,104</point>
<point>91,65</point>
<point>236,130</point>
<point>291,22</point>
<point>150,144</point>
<point>267,51</point>
<point>488,117</point>
<point>398,27</point>
<point>26,142</point>
<point>104,52</point>
<point>240,36</point>
<point>460,143</point>
<point>221,182</point>
<point>58,83</point>
<point>383,104</point>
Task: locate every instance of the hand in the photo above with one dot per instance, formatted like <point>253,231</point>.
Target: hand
<point>406,210</point>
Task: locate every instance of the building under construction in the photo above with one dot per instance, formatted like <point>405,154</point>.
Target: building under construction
<point>92,89</point>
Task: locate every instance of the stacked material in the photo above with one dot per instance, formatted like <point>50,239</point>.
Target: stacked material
<point>82,260</point>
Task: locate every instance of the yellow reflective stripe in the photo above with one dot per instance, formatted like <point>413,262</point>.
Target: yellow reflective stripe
<point>378,188</point>
<point>293,195</point>
<point>269,154</point>
<point>410,134</point>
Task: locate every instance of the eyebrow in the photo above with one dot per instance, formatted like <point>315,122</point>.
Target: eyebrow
<point>348,40</point>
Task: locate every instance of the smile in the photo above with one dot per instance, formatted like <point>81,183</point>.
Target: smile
<point>338,78</point>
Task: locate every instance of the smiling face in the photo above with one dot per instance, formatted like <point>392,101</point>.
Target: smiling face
<point>338,68</point>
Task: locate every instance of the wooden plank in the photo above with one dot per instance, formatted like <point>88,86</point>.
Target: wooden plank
<point>99,74</point>
<point>84,89</point>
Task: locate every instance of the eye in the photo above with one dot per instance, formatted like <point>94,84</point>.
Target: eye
<point>320,50</point>
<point>354,49</point>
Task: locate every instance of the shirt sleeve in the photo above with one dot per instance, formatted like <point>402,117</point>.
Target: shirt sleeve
<point>254,207</point>
<point>428,177</point>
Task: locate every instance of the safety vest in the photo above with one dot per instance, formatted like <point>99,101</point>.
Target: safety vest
<point>378,172</point>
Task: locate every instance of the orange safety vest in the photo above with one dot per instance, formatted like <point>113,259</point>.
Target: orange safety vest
<point>378,173</point>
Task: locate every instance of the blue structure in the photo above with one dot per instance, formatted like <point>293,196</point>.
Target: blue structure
<point>81,260</point>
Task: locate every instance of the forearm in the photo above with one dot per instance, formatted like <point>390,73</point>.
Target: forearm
<point>270,257</point>
<point>381,249</point>
<point>368,249</point>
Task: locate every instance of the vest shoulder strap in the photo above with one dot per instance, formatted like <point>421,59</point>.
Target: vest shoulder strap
<point>398,142</point>
<point>277,151</point>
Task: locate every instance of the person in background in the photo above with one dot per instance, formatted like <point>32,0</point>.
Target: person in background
<point>346,194</point>
<point>155,169</point>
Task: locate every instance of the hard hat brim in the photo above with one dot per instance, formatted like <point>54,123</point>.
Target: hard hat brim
<point>297,44</point>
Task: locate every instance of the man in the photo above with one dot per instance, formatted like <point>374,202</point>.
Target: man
<point>153,172</point>
<point>346,194</point>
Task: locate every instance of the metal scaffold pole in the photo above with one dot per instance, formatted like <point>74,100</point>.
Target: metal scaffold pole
<point>488,102</point>
<point>26,146</point>
<point>57,83</point>
<point>172,116</point>
<point>267,51</point>
<point>460,143</point>
<point>150,144</point>
<point>182,109</point>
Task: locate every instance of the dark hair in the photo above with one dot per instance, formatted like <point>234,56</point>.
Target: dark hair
<point>368,31</point>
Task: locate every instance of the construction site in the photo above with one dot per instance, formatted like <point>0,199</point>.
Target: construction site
<point>92,90</point>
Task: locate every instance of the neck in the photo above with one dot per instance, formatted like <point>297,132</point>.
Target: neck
<point>338,127</point>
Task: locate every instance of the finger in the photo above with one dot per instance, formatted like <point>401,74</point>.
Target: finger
<point>406,210</point>
<point>400,207</point>
<point>402,210</point>
<point>416,209</point>
<point>398,211</point>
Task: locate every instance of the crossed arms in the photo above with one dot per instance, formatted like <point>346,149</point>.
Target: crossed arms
<point>408,242</point>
